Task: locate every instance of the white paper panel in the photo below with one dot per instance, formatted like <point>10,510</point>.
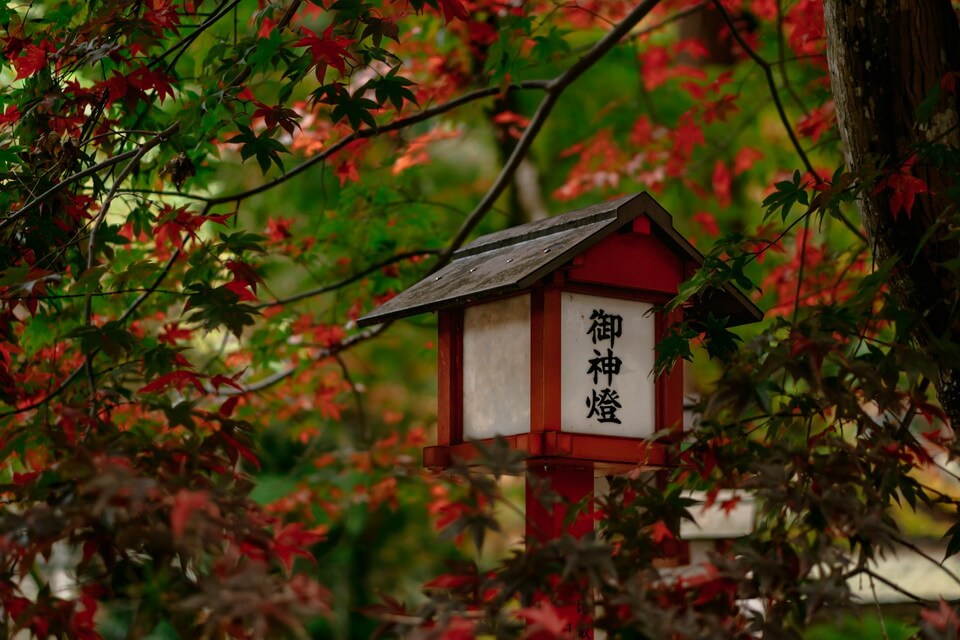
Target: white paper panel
<point>496,368</point>
<point>608,354</point>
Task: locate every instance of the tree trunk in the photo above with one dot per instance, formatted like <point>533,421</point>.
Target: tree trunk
<point>886,57</point>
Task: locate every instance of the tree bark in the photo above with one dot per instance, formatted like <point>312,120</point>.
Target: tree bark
<point>886,57</point>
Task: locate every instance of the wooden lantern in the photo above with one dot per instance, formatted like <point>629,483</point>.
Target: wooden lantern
<point>548,333</point>
<point>548,337</point>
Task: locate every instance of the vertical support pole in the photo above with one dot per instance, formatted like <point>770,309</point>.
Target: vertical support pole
<point>450,377</point>
<point>670,418</point>
<point>545,523</point>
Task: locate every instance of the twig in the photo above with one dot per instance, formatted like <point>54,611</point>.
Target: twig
<point>889,583</point>
<point>218,13</point>
<point>89,171</point>
<point>279,376</point>
<point>553,91</point>
<point>396,125</point>
<point>406,255</point>
<point>923,554</point>
<point>357,398</point>
<point>781,51</point>
<point>60,388</point>
<point>679,15</point>
<point>98,221</point>
<point>771,83</point>
<point>97,294</point>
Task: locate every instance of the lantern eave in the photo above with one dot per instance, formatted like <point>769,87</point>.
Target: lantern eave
<point>514,260</point>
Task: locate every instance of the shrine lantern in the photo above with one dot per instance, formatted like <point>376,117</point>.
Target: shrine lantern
<point>548,332</point>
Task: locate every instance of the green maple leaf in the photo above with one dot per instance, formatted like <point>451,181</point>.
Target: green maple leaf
<point>355,110</point>
<point>263,147</point>
<point>393,88</point>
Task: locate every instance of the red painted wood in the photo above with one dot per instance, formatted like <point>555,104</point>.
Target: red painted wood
<point>634,261</point>
<point>546,523</point>
<point>551,359</point>
<point>450,377</point>
<point>670,384</point>
<point>610,454</point>
<point>536,360</point>
<point>573,484</point>
<point>641,225</point>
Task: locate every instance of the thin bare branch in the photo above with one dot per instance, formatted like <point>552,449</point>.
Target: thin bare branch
<point>554,90</point>
<point>774,92</point>
<point>396,125</point>
<point>679,15</point>
<point>60,388</point>
<point>280,376</point>
<point>406,255</point>
<point>80,175</point>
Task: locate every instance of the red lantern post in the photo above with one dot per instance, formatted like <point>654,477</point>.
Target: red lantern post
<point>547,336</point>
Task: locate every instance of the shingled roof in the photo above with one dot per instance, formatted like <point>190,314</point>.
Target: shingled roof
<point>515,259</point>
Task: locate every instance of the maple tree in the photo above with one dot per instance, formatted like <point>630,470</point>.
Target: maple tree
<point>200,197</point>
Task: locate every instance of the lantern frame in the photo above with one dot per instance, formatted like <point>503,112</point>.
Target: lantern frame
<point>625,249</point>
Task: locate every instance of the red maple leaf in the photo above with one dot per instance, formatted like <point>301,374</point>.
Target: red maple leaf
<point>818,121</point>
<point>11,114</point>
<point>708,222</point>
<point>175,379</point>
<point>175,221</point>
<point>293,539</point>
<point>453,9</point>
<point>326,50</point>
<point>33,59</point>
<point>661,532</point>
<point>172,332</point>
<point>943,618</point>
<point>687,135</point>
<point>277,115</point>
<point>163,15</point>
<point>185,504</point>
<point>720,108</point>
<point>145,78</point>
<point>903,188</point>
<point>544,618</point>
<point>243,276</point>
<point>450,581</point>
<point>721,183</point>
<point>729,505</point>
<point>744,159</point>
<point>347,170</point>
<point>230,381</point>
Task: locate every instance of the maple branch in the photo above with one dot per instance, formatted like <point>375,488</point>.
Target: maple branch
<point>396,125</point>
<point>215,17</point>
<point>96,294</point>
<point>553,90</point>
<point>282,375</point>
<point>923,554</point>
<point>889,583</point>
<point>281,24</point>
<point>782,63</point>
<point>679,15</point>
<point>60,388</point>
<point>406,255</point>
<point>105,207</point>
<point>772,84</point>
<point>92,241</point>
<point>89,171</point>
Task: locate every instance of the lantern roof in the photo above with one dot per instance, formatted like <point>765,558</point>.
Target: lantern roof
<point>515,259</point>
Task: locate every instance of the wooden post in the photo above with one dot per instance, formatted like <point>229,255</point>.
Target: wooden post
<point>547,523</point>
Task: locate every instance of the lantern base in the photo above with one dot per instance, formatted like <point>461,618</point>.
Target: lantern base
<point>605,455</point>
